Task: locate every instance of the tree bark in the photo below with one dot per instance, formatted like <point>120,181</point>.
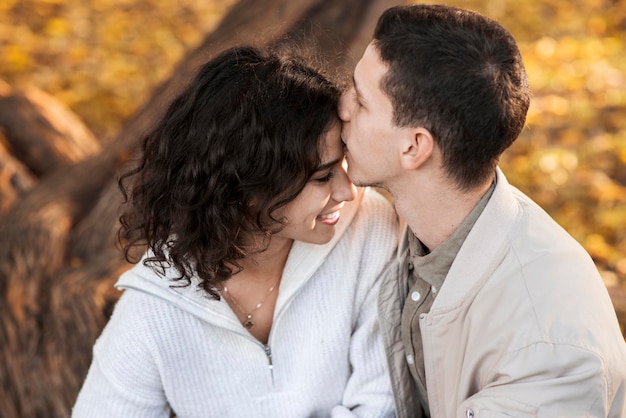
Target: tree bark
<point>15,178</point>
<point>41,132</point>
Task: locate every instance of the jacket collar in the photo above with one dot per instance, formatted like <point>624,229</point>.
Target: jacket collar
<point>483,247</point>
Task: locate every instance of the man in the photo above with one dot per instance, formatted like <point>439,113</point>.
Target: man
<point>491,309</point>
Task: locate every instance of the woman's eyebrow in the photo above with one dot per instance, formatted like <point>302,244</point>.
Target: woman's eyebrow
<point>329,164</point>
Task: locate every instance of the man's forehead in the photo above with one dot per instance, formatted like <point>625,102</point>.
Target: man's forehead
<point>364,62</point>
<point>369,71</point>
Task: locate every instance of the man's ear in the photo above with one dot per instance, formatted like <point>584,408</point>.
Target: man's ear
<point>417,148</point>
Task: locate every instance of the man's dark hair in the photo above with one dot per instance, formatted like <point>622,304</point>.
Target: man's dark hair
<point>460,75</point>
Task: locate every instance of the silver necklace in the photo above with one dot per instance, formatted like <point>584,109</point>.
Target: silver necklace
<point>248,323</point>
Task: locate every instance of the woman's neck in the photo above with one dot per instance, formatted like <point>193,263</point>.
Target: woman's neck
<point>268,264</point>
<point>252,292</point>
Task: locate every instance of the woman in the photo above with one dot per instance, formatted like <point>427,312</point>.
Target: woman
<point>257,297</point>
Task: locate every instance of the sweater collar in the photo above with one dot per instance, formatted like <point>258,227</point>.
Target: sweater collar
<point>303,261</point>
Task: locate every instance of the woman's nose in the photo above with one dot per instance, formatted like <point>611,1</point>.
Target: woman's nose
<point>344,190</point>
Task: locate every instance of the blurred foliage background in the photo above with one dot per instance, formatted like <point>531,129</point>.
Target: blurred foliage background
<point>571,158</point>
<point>102,58</point>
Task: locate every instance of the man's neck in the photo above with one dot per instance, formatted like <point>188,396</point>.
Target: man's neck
<point>433,210</point>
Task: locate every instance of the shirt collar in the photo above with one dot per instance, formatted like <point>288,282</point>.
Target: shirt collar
<point>433,266</point>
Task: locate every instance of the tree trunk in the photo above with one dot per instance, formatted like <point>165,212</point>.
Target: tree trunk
<point>41,132</point>
<point>58,259</point>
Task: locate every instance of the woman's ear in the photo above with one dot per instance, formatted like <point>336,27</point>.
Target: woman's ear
<point>417,148</point>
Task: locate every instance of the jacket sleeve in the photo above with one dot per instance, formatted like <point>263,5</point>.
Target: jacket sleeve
<point>368,390</point>
<point>544,379</point>
<point>123,380</point>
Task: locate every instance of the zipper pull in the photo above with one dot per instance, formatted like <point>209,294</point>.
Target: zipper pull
<point>268,353</point>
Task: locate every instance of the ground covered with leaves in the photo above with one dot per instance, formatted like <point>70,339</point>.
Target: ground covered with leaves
<point>103,58</point>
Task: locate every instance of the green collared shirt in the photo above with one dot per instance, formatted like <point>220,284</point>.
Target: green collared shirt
<point>427,272</point>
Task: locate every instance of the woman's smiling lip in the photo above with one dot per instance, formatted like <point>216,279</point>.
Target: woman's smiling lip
<point>330,218</point>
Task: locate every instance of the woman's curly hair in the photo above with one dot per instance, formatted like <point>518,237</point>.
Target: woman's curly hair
<point>239,143</point>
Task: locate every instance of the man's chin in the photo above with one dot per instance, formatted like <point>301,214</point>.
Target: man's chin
<point>359,182</point>
<point>357,179</point>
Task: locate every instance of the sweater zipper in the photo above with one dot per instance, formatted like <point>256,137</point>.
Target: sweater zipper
<point>268,353</point>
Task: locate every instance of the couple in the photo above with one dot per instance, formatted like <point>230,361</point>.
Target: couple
<point>274,288</point>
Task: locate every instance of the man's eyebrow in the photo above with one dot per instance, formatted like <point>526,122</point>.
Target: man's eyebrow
<point>357,90</point>
<point>328,165</point>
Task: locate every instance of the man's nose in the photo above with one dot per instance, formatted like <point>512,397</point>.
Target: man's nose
<point>345,105</point>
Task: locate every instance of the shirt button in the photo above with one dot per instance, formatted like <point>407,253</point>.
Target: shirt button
<point>415,296</point>
<point>433,289</point>
<point>410,359</point>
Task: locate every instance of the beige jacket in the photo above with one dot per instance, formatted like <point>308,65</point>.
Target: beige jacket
<point>522,327</point>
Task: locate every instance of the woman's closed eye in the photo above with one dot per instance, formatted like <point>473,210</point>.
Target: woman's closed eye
<point>326,178</point>
<point>326,172</point>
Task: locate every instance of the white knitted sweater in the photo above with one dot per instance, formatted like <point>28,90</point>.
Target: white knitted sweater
<point>175,351</point>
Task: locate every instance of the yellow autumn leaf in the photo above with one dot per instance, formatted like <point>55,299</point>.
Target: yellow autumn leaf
<point>57,27</point>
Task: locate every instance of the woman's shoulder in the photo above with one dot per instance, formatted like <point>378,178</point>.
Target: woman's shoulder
<point>139,313</point>
<point>377,208</point>
<point>375,225</point>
